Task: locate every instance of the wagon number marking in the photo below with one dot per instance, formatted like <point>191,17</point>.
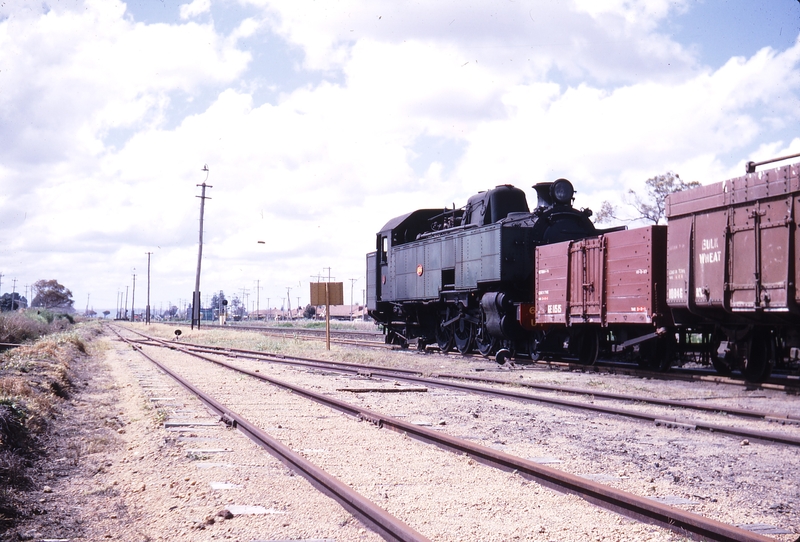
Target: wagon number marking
<point>554,309</point>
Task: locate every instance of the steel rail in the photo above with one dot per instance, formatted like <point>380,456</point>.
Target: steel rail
<point>386,525</point>
<point>636,398</point>
<point>414,376</point>
<point>639,508</point>
<point>788,384</point>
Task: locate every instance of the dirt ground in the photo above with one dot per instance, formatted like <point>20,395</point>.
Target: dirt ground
<point>107,469</point>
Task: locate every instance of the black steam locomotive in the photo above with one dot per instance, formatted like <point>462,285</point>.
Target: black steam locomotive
<point>454,277</point>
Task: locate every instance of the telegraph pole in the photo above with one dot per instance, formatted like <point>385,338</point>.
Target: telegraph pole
<point>13,291</point>
<point>147,309</point>
<point>245,293</point>
<point>133,300</point>
<point>196,297</point>
<point>289,300</point>
<point>352,282</point>
<point>258,297</point>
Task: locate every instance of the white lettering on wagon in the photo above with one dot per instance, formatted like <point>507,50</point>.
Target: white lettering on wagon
<point>710,257</point>
<point>554,309</point>
<point>675,293</point>
<point>710,252</point>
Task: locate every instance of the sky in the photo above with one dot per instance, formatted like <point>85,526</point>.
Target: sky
<point>320,120</point>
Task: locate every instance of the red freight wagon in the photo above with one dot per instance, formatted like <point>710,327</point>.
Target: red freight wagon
<point>732,267</point>
<point>605,291</point>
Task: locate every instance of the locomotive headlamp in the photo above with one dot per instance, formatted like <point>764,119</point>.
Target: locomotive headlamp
<point>562,191</point>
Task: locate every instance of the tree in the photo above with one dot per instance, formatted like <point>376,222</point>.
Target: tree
<point>52,295</point>
<point>13,301</point>
<point>106,313</point>
<point>652,207</point>
<point>310,312</point>
<point>217,303</point>
<point>237,307</point>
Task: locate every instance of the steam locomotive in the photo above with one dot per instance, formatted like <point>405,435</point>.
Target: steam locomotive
<point>716,285</point>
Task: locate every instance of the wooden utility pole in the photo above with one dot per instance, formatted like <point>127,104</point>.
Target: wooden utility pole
<point>133,300</point>
<point>352,282</point>
<point>196,297</point>
<point>147,309</point>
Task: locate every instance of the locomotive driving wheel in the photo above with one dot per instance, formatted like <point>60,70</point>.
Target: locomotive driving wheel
<point>464,334</point>
<point>485,343</point>
<point>444,335</point>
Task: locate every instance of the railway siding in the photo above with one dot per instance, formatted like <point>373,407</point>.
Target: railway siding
<point>691,501</point>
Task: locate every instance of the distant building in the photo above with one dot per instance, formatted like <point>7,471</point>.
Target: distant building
<point>344,312</point>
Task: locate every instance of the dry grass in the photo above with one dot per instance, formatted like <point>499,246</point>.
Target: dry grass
<point>34,379</point>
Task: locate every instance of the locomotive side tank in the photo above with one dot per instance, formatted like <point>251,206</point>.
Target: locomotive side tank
<point>452,276</point>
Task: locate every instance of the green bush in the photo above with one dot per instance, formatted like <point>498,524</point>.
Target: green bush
<point>20,326</point>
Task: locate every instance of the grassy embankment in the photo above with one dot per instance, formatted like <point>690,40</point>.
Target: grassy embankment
<point>34,379</point>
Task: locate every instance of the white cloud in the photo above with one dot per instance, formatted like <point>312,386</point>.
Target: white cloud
<point>195,8</point>
<point>606,41</point>
<point>317,171</point>
<point>70,76</point>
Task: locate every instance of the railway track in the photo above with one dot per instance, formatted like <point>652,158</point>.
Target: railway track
<point>449,381</point>
<point>787,383</point>
<point>630,505</point>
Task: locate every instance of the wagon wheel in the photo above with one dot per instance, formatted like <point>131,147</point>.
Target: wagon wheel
<point>585,344</point>
<point>722,364</point>
<point>444,336</point>
<point>656,354</point>
<point>761,358</point>
<point>534,345</point>
<point>485,343</point>
<point>464,333</point>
